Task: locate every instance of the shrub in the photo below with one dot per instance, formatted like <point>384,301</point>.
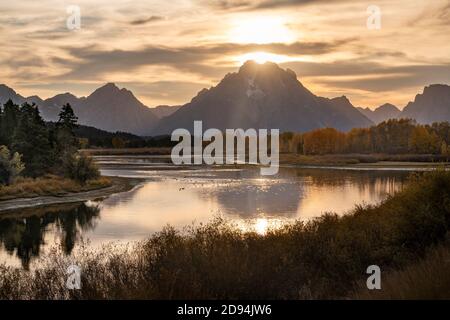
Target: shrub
<point>81,168</point>
<point>10,166</point>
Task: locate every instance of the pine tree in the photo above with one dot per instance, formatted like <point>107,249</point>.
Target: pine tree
<point>2,140</point>
<point>31,139</point>
<point>63,137</point>
<point>67,118</point>
<point>9,122</point>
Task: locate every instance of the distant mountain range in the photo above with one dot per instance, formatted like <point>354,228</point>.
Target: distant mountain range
<point>433,105</point>
<point>108,108</point>
<point>382,113</point>
<point>164,111</point>
<point>257,96</point>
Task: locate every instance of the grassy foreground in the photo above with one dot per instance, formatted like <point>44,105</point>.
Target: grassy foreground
<point>407,235</point>
<point>49,185</point>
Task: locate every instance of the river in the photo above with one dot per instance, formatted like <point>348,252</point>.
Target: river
<point>179,196</point>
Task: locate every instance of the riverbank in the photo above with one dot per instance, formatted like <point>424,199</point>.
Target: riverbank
<point>364,160</point>
<point>325,258</point>
<point>156,151</point>
<point>61,191</point>
<point>398,160</point>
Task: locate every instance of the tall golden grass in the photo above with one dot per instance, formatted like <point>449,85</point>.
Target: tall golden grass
<point>47,186</point>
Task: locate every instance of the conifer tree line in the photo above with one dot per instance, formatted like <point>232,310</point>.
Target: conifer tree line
<point>32,147</point>
<point>395,136</point>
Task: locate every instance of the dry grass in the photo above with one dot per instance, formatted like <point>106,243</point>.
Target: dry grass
<point>48,185</point>
<point>427,279</point>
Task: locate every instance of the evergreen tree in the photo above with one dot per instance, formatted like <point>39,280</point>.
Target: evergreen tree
<point>9,122</point>
<point>2,140</point>
<point>63,137</point>
<point>67,118</point>
<point>31,139</point>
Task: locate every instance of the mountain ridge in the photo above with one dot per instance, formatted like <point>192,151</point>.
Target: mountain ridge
<point>256,96</point>
<point>103,108</point>
<point>382,113</point>
<point>432,105</point>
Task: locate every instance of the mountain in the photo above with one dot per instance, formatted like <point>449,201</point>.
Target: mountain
<point>385,112</point>
<point>108,108</point>
<point>7,93</point>
<point>433,105</point>
<point>256,96</point>
<point>164,111</point>
<point>112,109</point>
<point>263,96</point>
<point>51,107</point>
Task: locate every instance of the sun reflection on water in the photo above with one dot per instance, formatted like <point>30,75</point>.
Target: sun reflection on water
<point>261,225</point>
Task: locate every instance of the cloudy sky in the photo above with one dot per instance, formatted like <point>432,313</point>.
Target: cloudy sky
<point>166,51</point>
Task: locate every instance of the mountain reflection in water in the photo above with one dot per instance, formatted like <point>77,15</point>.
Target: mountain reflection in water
<point>180,197</point>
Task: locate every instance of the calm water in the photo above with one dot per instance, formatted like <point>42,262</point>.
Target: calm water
<point>180,196</point>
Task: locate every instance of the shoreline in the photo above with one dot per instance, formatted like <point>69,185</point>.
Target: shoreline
<point>123,184</point>
<point>377,166</point>
<point>119,184</point>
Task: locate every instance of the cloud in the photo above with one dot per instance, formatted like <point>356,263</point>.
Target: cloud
<point>88,62</point>
<point>174,46</point>
<point>142,21</point>
<point>243,5</point>
<point>373,77</point>
<point>272,4</point>
<point>226,4</point>
<point>433,16</point>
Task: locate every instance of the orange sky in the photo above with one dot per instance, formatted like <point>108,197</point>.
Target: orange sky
<point>165,52</point>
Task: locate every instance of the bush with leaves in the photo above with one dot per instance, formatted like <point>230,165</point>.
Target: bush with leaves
<point>81,168</point>
<point>10,166</point>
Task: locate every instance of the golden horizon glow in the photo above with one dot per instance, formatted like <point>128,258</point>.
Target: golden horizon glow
<point>261,57</point>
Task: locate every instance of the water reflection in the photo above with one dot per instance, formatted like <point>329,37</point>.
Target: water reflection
<point>24,235</point>
<point>180,197</point>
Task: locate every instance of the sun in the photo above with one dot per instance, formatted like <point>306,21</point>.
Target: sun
<point>261,30</point>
